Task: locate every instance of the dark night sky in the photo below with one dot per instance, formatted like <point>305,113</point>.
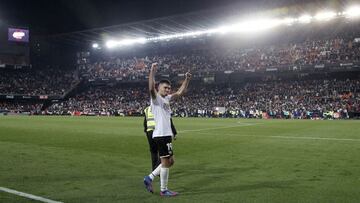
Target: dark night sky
<point>59,16</point>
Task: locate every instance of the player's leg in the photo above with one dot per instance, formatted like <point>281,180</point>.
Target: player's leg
<point>167,160</point>
<point>172,160</point>
<point>148,179</point>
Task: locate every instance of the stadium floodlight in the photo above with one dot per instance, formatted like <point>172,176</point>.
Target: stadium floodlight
<point>110,44</point>
<point>245,26</point>
<point>95,45</point>
<point>305,19</point>
<point>288,21</point>
<point>141,40</point>
<point>178,36</point>
<point>325,15</point>
<point>211,31</point>
<point>125,42</point>
<point>162,37</point>
<point>222,29</point>
<point>252,26</point>
<point>352,12</point>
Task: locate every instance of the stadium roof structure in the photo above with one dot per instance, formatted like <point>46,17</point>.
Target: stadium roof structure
<point>184,23</point>
<point>146,28</point>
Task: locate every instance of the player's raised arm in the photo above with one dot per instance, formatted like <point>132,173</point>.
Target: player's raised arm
<point>152,89</point>
<point>183,88</point>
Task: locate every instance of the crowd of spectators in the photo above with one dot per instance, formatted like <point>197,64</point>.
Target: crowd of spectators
<point>36,82</point>
<point>103,101</point>
<point>277,99</point>
<point>297,99</point>
<point>28,108</point>
<point>309,52</point>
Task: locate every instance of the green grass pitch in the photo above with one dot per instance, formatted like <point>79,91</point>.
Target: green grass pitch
<point>101,159</point>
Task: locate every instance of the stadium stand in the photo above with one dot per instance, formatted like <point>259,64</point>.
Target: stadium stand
<point>36,82</point>
<point>317,52</point>
<point>258,91</point>
<point>273,99</point>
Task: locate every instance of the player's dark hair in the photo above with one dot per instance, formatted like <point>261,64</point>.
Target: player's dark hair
<point>165,81</point>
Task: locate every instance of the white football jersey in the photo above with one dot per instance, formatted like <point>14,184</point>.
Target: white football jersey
<point>160,107</point>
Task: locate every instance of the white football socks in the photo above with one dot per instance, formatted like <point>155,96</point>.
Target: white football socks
<point>164,177</point>
<point>155,173</point>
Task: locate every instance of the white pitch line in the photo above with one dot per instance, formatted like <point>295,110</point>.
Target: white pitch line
<point>289,137</point>
<point>315,138</point>
<point>283,137</point>
<point>29,196</point>
<point>224,127</point>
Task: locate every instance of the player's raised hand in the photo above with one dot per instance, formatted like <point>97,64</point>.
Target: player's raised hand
<point>154,67</point>
<point>188,75</point>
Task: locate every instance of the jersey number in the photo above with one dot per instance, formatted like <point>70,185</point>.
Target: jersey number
<point>169,145</point>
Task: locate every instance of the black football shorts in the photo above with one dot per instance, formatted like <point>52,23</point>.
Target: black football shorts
<point>164,145</point>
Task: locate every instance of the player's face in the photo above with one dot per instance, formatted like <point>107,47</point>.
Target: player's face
<point>164,89</point>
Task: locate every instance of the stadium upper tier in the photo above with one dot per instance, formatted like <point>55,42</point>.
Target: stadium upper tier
<point>282,56</point>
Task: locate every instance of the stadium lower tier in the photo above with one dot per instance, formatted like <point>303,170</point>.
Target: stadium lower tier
<point>305,99</point>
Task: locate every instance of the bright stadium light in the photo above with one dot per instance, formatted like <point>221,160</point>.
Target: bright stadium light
<point>162,37</point>
<point>141,40</point>
<point>178,36</point>
<point>110,44</point>
<point>95,45</point>
<point>222,29</point>
<point>251,26</point>
<point>325,16</point>
<point>245,26</point>
<point>125,42</point>
<point>352,12</point>
<point>289,21</point>
<point>305,19</point>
